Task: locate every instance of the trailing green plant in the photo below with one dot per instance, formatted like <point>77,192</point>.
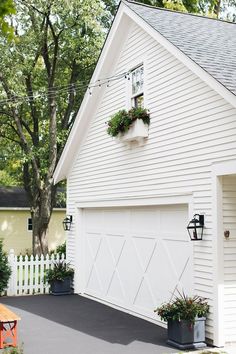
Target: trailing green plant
<point>183,307</point>
<point>123,119</point>
<point>5,270</point>
<point>60,271</point>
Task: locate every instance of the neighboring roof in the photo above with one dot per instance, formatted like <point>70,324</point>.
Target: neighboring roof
<point>13,197</point>
<point>16,197</point>
<point>210,43</point>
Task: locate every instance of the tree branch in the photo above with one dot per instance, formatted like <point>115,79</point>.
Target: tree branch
<point>55,52</point>
<point>30,93</point>
<point>20,132</point>
<point>71,100</point>
<point>45,50</point>
<point>4,136</point>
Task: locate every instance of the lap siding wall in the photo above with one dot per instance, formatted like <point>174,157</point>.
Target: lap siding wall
<point>191,128</point>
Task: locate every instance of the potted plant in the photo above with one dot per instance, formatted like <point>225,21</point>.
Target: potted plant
<point>60,278</point>
<point>185,317</point>
<point>129,125</point>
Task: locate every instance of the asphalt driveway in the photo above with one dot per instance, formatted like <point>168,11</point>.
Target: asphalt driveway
<point>77,325</point>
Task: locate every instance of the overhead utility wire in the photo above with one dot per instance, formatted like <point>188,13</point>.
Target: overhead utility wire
<point>70,88</point>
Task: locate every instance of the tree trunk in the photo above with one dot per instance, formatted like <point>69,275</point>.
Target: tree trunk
<point>41,214</point>
<point>40,245</point>
<point>217,8</point>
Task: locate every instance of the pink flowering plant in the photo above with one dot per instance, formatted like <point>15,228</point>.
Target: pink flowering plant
<point>183,307</point>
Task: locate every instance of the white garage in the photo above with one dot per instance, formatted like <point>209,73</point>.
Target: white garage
<point>136,257</point>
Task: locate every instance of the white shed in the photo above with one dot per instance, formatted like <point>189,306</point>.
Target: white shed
<point>131,202</point>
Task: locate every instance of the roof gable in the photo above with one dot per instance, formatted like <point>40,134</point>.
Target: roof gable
<point>146,17</point>
<point>208,42</point>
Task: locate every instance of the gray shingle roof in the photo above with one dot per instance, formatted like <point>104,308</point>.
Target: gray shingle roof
<point>208,42</point>
<point>13,197</point>
<point>16,197</point>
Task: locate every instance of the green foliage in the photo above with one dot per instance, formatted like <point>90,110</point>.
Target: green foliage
<point>6,8</point>
<point>61,249</point>
<point>61,197</point>
<point>60,271</point>
<point>5,271</point>
<point>122,120</point>
<point>46,72</point>
<point>223,9</point>
<point>10,165</point>
<point>7,180</point>
<point>16,350</point>
<point>176,5</point>
<point>183,308</point>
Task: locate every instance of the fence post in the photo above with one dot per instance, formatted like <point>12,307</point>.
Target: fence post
<point>13,278</point>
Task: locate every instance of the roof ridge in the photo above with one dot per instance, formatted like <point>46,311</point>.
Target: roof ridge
<point>178,12</point>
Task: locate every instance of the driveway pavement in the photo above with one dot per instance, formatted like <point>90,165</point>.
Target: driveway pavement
<point>77,325</point>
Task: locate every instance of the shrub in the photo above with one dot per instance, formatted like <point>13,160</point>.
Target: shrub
<point>5,270</point>
<point>122,120</point>
<point>183,308</point>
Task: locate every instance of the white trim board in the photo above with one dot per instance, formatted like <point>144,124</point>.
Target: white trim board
<point>129,202</point>
<point>219,170</point>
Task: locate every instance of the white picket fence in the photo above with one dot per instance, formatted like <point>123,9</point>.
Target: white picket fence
<point>28,273</point>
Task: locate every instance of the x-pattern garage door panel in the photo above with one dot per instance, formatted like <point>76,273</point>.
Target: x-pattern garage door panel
<point>138,257</point>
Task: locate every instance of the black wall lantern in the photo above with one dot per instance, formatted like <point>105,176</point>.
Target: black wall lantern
<point>67,222</point>
<point>195,227</point>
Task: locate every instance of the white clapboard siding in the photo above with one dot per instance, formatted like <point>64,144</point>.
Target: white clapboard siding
<point>28,273</point>
<point>229,223</point>
<point>191,128</point>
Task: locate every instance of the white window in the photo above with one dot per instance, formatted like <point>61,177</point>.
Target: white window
<point>30,224</point>
<point>137,86</point>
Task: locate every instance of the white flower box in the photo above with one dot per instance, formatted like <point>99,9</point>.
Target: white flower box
<point>138,131</point>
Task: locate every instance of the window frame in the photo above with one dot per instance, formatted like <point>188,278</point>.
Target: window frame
<point>139,93</point>
<point>29,224</point>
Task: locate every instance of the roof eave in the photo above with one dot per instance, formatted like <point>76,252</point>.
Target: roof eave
<point>89,103</point>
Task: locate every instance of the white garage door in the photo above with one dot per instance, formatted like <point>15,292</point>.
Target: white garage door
<point>137,257</point>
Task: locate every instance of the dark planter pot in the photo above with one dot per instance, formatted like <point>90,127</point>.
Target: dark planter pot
<point>186,335</point>
<point>61,287</point>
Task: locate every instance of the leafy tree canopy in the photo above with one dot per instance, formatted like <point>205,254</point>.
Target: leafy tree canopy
<point>222,9</point>
<point>44,77</point>
<point>6,8</point>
